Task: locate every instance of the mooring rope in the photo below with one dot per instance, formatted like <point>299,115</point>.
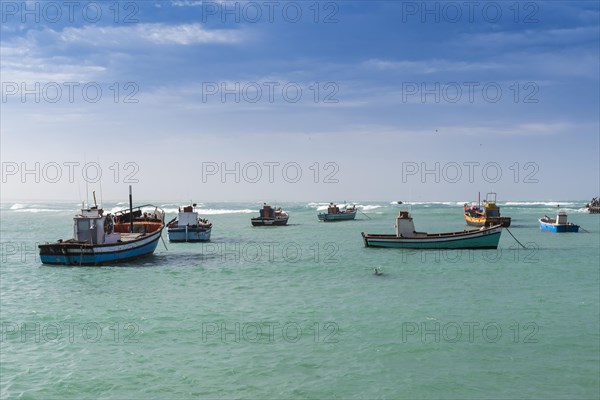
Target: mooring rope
<point>163,241</point>
<point>517,240</point>
<point>364,214</point>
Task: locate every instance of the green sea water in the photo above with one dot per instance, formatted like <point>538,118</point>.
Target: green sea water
<point>297,312</point>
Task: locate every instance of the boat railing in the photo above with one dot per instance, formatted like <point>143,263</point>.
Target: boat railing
<point>128,211</point>
<point>490,197</point>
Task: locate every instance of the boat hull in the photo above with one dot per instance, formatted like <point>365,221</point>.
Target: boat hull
<point>180,234</point>
<point>558,228</point>
<point>269,221</point>
<point>487,222</point>
<point>474,239</point>
<point>336,217</point>
<point>73,253</point>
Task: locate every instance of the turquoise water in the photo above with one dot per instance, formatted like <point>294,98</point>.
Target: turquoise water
<point>297,312</point>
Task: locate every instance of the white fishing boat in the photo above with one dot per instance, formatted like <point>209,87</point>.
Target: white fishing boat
<point>189,227</point>
<point>105,238</point>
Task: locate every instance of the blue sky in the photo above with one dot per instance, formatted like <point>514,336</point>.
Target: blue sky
<point>386,87</point>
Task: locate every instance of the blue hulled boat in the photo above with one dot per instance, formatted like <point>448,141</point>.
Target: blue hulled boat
<point>407,238</point>
<point>188,227</point>
<point>558,225</point>
<point>335,214</point>
<point>101,238</point>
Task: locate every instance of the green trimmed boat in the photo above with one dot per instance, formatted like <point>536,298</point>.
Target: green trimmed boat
<point>407,238</point>
<point>335,214</point>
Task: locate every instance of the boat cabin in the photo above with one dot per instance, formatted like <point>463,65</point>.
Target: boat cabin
<point>561,218</point>
<point>92,226</point>
<point>404,224</point>
<point>188,216</point>
<point>333,209</point>
<point>491,210</point>
<point>267,212</point>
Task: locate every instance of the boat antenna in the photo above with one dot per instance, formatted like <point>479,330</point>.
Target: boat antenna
<point>87,193</point>
<point>100,183</point>
<point>94,194</point>
<point>410,197</point>
<point>130,211</point>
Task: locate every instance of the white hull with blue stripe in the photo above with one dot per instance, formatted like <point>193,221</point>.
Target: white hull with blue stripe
<point>73,253</point>
<point>189,227</point>
<point>187,234</point>
<point>107,238</point>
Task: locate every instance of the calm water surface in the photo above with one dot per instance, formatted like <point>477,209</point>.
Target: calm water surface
<point>296,311</point>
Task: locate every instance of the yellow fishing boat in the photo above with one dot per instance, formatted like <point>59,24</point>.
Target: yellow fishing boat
<point>488,215</point>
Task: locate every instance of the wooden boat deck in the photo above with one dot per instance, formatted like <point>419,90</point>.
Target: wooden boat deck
<point>139,227</point>
<point>128,237</point>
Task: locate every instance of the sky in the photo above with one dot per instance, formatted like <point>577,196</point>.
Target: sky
<point>300,100</point>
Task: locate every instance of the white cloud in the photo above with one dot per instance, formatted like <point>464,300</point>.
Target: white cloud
<point>155,33</point>
<point>186,3</point>
<point>528,38</point>
<point>44,56</point>
<point>522,129</point>
<point>429,66</point>
<point>21,61</point>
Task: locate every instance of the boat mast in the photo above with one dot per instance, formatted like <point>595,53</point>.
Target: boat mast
<point>130,211</point>
<point>87,193</point>
<point>100,182</point>
<point>479,200</point>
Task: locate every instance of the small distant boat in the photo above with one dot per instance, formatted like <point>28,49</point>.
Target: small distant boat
<point>107,238</point>
<point>270,217</point>
<point>489,215</point>
<point>558,225</point>
<point>593,206</point>
<point>189,227</point>
<point>335,214</point>
<point>397,202</point>
<point>406,237</point>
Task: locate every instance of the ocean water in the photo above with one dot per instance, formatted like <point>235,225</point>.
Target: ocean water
<point>297,312</point>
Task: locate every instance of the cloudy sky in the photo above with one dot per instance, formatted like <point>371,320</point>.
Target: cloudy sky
<point>306,101</point>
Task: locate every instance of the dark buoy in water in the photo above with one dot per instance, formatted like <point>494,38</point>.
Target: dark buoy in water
<point>377,271</point>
